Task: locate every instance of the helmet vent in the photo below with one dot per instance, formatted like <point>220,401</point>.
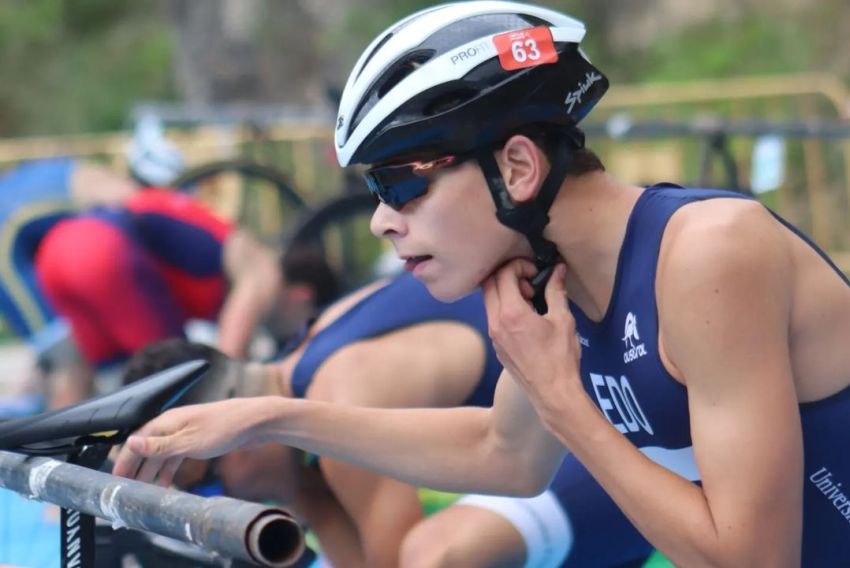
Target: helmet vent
<point>448,101</point>
<point>377,48</point>
<point>402,69</point>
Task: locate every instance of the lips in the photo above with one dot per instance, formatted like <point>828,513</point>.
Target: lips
<point>411,262</point>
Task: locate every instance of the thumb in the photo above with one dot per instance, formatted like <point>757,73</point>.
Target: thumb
<point>149,446</point>
<point>556,289</point>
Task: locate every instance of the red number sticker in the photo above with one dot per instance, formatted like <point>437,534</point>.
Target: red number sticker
<point>525,48</point>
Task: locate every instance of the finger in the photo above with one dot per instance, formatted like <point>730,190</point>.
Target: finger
<point>168,471</point>
<point>509,279</point>
<point>556,291</point>
<point>522,267</point>
<point>526,289</point>
<point>576,347</point>
<point>127,463</point>
<point>151,446</point>
<point>491,296</point>
<point>150,469</point>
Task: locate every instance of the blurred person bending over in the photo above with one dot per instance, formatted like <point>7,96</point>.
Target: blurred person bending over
<point>35,195</point>
<point>126,277</point>
<point>686,335</point>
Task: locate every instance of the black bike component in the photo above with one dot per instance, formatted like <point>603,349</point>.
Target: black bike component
<point>246,169</point>
<point>717,145</point>
<point>78,529</point>
<point>87,430</point>
<point>267,202</point>
<point>104,420</point>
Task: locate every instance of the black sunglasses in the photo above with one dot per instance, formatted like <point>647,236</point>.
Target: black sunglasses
<point>398,184</point>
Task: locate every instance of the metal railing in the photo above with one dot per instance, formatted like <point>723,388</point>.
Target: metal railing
<point>229,527</point>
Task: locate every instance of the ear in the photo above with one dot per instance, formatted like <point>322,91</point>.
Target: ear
<point>523,166</point>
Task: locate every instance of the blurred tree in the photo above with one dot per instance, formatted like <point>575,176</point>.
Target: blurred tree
<point>80,65</point>
<point>76,65</point>
<point>245,50</point>
<point>644,40</point>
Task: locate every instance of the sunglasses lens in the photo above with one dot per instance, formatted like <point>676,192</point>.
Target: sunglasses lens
<point>396,185</point>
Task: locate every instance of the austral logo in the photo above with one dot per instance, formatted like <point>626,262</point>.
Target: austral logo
<point>634,350</point>
<point>575,97</point>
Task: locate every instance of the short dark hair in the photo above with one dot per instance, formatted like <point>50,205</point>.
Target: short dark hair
<point>548,137</point>
<point>306,264</point>
<point>161,355</point>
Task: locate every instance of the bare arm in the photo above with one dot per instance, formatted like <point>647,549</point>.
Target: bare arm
<point>504,450</point>
<point>254,274</point>
<point>93,184</point>
<point>499,450</point>
<point>732,348</point>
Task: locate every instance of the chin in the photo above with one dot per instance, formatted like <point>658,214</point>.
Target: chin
<point>449,291</point>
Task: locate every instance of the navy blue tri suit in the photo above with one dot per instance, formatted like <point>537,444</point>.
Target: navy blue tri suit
<point>622,371</point>
<point>379,313</point>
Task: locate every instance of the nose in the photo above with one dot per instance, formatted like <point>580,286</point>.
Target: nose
<point>386,222</point>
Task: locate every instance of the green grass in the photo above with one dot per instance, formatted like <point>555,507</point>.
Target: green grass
<point>657,560</point>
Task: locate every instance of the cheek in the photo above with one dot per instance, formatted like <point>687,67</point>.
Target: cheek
<point>465,264</point>
<point>470,241</point>
<point>483,239</point>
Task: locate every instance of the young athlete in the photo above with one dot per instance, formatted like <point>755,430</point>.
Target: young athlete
<point>126,277</point>
<point>687,334</point>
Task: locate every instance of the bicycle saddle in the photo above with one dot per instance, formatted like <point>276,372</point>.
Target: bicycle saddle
<point>107,419</point>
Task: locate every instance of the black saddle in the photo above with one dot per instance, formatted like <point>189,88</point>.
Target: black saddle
<point>105,420</point>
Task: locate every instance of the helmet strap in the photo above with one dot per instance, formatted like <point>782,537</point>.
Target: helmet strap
<point>530,218</point>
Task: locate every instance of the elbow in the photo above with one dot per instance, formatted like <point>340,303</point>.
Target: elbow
<point>516,469</point>
<point>531,483</point>
<point>520,476</point>
<point>731,551</point>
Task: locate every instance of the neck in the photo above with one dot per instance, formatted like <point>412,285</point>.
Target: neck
<point>589,217</point>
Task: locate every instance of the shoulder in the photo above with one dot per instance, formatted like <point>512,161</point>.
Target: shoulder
<point>721,239</point>
<point>724,279</point>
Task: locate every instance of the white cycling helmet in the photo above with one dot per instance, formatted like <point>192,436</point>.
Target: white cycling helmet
<point>461,78</point>
<point>152,159</point>
<point>458,76</point>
